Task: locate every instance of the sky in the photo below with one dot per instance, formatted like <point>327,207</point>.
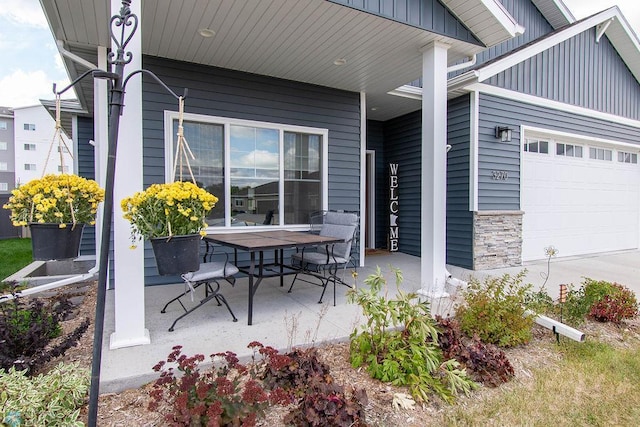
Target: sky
<point>32,63</point>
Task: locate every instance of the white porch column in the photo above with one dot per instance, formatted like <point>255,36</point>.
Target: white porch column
<point>434,180</point>
<point>100,135</point>
<point>129,263</point>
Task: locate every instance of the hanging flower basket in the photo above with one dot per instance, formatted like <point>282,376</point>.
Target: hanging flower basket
<point>169,215</point>
<point>58,206</point>
<point>53,242</point>
<point>177,254</point>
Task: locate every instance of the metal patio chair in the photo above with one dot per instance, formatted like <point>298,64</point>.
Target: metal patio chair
<point>209,274</point>
<point>324,262</point>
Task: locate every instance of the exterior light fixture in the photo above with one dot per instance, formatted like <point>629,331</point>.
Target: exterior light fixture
<point>206,32</point>
<point>503,133</point>
<point>339,62</point>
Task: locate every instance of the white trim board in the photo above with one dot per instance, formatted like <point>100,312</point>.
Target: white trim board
<point>543,102</point>
<point>575,138</point>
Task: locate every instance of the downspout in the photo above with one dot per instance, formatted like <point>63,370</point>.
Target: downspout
<point>463,65</point>
<point>93,271</point>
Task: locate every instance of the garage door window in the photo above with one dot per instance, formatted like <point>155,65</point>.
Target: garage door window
<point>536,146</point>
<point>624,157</point>
<point>600,154</point>
<point>568,150</point>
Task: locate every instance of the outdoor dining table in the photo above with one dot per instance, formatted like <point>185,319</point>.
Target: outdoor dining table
<point>260,241</point>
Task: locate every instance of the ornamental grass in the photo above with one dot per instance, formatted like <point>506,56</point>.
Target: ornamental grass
<point>58,199</point>
<point>172,209</point>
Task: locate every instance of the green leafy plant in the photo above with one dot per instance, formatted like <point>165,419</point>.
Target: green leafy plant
<point>398,343</point>
<point>53,399</point>
<point>494,310</point>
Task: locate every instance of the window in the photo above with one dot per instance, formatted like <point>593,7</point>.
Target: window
<point>62,149</point>
<point>3,125</point>
<point>568,150</point>
<point>536,146</point>
<point>624,157</point>
<point>65,170</point>
<point>29,126</point>
<point>29,147</point>
<point>4,166</point>
<point>4,186</point>
<point>257,170</point>
<point>29,166</point>
<point>3,146</point>
<point>600,154</point>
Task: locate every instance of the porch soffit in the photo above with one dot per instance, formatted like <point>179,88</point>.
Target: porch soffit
<point>295,40</point>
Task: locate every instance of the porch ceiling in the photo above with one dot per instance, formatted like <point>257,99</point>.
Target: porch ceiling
<point>295,40</point>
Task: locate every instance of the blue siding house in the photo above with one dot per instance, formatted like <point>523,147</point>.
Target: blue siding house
<point>513,126</point>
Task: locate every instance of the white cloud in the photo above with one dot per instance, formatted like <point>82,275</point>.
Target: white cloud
<point>20,88</point>
<point>24,12</point>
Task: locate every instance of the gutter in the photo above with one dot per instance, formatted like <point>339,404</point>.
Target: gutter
<point>72,56</point>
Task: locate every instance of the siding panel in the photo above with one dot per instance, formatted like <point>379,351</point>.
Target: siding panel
<point>227,93</point>
<point>495,155</point>
<point>86,169</point>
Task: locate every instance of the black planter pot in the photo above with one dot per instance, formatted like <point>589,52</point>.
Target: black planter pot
<point>177,255</point>
<point>50,242</point>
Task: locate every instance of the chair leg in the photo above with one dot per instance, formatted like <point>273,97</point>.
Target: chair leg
<point>210,293</point>
<point>164,309</point>
<point>292,282</point>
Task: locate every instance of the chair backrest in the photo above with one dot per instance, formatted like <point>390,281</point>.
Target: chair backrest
<point>344,232</point>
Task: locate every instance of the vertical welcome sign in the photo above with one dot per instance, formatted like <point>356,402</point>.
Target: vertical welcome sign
<point>393,207</point>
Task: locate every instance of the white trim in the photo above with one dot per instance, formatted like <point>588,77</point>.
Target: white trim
<point>504,17</point>
<point>371,195</point>
<point>74,140</point>
<point>407,91</point>
<point>363,172</point>
<point>473,150</point>
<point>573,138</point>
<point>227,122</point>
<point>543,102</point>
<point>602,28</point>
<point>544,44</point>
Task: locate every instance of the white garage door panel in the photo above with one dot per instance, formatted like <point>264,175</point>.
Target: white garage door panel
<point>580,206</point>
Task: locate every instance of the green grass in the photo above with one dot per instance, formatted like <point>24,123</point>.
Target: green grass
<point>594,384</point>
<point>15,254</point>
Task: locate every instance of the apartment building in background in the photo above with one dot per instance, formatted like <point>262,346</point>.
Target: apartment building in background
<point>37,147</point>
<point>7,160</point>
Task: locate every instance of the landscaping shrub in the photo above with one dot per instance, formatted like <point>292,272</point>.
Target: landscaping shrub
<point>27,329</point>
<point>53,399</point>
<point>228,395</point>
<point>618,305</point>
<point>485,363</point>
<point>494,310</point>
<point>599,300</point>
<point>398,343</point>
<point>292,371</point>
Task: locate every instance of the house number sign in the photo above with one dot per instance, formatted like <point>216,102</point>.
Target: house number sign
<point>393,207</point>
<point>499,175</point>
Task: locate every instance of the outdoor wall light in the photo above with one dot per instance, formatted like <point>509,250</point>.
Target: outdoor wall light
<point>206,32</point>
<point>340,62</point>
<point>503,133</point>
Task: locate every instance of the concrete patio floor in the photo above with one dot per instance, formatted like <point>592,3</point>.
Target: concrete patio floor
<point>285,320</point>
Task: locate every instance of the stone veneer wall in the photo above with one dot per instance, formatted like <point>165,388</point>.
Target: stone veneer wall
<point>497,239</point>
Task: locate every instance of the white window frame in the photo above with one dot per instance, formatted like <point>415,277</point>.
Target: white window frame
<point>627,157</point>
<point>567,144</point>
<point>4,146</point>
<point>30,166</point>
<point>226,122</point>
<point>604,154</point>
<point>29,127</point>
<point>4,166</point>
<point>3,125</point>
<point>29,147</point>
<point>4,186</point>
<point>528,141</point>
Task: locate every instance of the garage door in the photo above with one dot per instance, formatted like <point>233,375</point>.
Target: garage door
<point>580,198</point>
